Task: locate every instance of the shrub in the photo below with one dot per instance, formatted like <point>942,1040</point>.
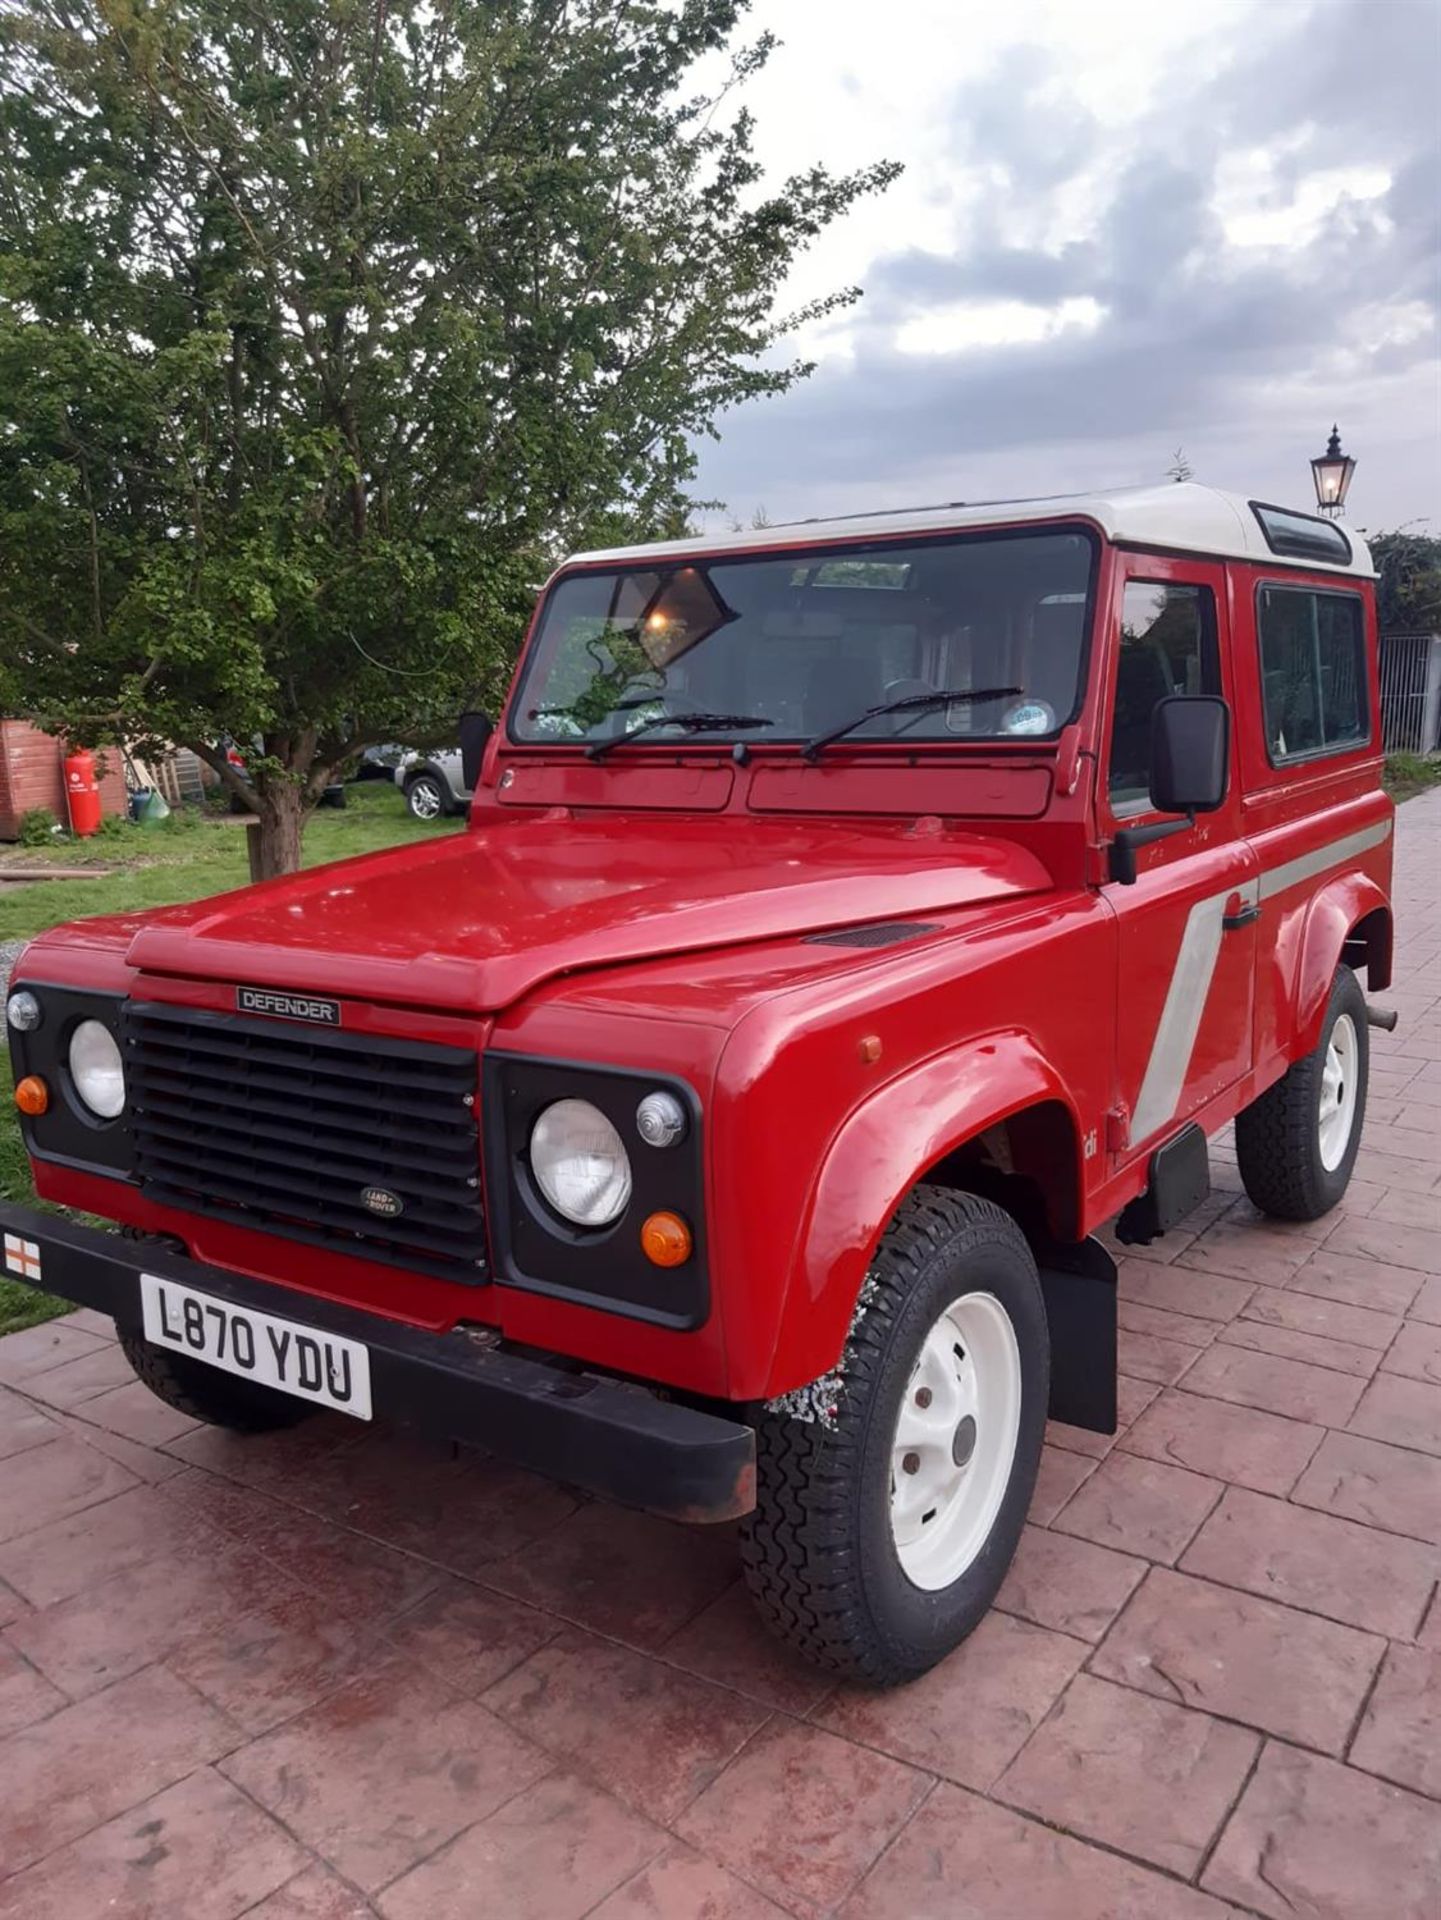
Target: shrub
<point>39,827</point>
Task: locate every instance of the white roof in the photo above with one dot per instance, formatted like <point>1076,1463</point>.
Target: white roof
<point>1182,517</point>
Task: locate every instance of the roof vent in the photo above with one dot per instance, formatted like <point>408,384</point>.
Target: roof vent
<point>884,933</point>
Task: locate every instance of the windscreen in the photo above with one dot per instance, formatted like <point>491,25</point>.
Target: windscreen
<point>783,647</point>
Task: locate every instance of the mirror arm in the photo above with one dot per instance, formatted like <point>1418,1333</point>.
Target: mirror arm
<point>1123,847</point>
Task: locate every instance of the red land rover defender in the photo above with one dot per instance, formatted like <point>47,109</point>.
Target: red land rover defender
<point>852,918</point>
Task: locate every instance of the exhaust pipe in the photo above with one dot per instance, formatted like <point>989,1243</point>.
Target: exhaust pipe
<point>1383,1017</point>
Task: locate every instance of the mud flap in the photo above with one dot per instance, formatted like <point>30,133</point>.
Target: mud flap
<point>1178,1180</point>
<point>1079,1286</point>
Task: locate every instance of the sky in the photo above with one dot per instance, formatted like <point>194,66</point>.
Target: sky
<point>1125,227</point>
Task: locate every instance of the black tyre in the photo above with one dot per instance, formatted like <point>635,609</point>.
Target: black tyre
<point>426,797</point>
<point>206,1393</point>
<point>891,1496</point>
<point>1297,1144</point>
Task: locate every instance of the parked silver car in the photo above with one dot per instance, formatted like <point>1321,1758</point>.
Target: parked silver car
<point>433,783</point>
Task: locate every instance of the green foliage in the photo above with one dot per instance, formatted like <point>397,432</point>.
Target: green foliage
<point>1411,773</point>
<point>1408,593</point>
<point>324,325</point>
<point>38,827</point>
<point>115,826</point>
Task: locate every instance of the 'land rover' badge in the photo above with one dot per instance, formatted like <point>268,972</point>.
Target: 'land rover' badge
<point>382,1201</point>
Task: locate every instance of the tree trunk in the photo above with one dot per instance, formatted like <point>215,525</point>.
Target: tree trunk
<point>280,803</point>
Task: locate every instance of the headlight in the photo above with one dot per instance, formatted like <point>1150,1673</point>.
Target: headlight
<point>97,1069</point>
<point>580,1164</point>
<point>22,1010</point>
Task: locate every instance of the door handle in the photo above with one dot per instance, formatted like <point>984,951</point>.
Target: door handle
<point>1230,922</point>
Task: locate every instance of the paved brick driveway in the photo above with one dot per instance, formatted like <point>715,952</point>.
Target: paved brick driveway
<point>315,1676</point>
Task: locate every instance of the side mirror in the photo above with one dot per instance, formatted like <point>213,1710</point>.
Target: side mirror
<point>1190,764</point>
<point>1190,753</point>
<point>475,732</point>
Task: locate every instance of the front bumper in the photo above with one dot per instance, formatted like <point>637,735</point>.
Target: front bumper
<point>594,1433</point>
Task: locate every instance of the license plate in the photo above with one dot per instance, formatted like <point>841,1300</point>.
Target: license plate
<point>323,1367</point>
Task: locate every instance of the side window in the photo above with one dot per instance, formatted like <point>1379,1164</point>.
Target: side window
<point>1168,645</point>
<point>1313,672</point>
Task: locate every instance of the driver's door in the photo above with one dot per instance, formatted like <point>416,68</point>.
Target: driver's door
<point>1187,937</point>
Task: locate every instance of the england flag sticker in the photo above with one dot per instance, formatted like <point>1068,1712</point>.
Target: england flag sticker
<point>22,1257</point>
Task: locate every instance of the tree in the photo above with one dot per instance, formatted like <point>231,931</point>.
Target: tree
<point>326,324</point>
<point>1408,592</point>
<point>1180,468</point>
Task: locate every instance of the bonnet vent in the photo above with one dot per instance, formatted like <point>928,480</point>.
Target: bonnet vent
<point>884,933</point>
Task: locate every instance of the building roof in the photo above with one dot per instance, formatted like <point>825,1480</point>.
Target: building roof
<point>1183,517</point>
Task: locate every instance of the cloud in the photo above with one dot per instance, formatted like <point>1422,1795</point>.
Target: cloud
<point>1014,117</point>
<point>1221,258</point>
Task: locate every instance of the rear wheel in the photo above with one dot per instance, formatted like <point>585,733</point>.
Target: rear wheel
<point>1297,1144</point>
<point>206,1393</point>
<point>424,797</point>
<point>891,1496</point>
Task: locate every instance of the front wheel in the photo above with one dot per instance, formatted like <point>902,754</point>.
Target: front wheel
<point>424,797</point>
<point>891,1495</point>
<point>1297,1144</point>
<point>207,1393</point>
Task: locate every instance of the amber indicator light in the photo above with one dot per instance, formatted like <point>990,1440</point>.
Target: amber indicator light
<point>32,1096</point>
<point>666,1240</point>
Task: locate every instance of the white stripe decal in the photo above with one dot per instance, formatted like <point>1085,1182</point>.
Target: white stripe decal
<point>1195,968</point>
<point>1308,865</point>
<point>1180,1020</point>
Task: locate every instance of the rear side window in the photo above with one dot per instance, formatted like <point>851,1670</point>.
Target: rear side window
<point>1313,672</point>
<point>1168,646</point>
<point>1302,536</point>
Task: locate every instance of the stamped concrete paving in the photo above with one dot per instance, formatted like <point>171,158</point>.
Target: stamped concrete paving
<point>325,1673</point>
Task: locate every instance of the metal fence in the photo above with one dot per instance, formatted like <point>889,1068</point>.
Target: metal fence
<point>1411,692</point>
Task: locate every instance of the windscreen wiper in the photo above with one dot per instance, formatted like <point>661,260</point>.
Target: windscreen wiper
<point>909,702</point>
<point>688,722</point>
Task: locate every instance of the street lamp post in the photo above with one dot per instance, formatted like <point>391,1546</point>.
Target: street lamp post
<point>1332,472</point>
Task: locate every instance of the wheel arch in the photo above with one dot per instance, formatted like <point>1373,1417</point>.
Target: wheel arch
<point>992,1117</point>
<point>1349,920</point>
<point>1370,944</point>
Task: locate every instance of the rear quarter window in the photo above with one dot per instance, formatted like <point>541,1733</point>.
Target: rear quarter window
<point>1302,536</point>
<point>1313,672</point>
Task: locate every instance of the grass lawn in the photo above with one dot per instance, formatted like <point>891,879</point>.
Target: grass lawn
<point>155,867</point>
<point>1411,773</point>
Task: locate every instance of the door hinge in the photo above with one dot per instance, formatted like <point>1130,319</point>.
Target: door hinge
<point>1118,1129</point>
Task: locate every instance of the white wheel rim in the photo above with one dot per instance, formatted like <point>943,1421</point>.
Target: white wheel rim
<point>424,800</point>
<point>955,1441</point>
<point>1340,1072</point>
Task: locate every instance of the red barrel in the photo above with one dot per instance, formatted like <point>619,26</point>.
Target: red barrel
<point>82,792</point>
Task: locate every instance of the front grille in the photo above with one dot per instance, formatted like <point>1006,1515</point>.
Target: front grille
<point>285,1128</point>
